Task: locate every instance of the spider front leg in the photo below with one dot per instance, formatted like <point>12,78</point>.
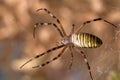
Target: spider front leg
<point>55,58</point>
<point>47,24</point>
<point>54,17</point>
<point>39,55</point>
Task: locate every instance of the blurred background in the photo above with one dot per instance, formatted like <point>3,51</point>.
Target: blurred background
<point>17,45</point>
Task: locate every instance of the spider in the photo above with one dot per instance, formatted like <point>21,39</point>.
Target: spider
<point>75,40</point>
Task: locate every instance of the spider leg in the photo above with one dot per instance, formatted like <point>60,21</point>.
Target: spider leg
<point>71,60</point>
<point>97,19</point>
<point>53,16</point>
<point>39,55</point>
<point>87,63</point>
<point>55,58</point>
<point>73,27</point>
<point>41,24</point>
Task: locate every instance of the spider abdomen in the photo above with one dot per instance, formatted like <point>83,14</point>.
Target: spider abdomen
<point>86,40</point>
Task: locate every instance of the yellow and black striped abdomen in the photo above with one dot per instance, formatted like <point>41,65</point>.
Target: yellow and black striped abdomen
<point>86,40</point>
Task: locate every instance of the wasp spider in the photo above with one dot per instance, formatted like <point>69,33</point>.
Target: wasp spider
<point>75,40</point>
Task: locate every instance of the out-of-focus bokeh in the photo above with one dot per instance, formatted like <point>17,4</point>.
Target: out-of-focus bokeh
<point>17,45</point>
